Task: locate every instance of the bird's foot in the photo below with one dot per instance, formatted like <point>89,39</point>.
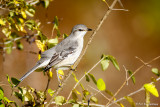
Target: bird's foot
<point>73,69</point>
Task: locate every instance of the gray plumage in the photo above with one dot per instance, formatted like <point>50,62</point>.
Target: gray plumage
<point>64,54</point>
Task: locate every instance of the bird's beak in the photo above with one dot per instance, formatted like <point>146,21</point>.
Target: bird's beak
<point>88,29</point>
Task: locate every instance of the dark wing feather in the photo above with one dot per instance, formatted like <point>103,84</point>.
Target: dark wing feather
<point>58,57</point>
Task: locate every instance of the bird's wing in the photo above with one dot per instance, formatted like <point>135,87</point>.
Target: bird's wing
<point>58,57</point>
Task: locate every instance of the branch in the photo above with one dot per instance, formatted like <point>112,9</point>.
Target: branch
<point>138,69</point>
<point>57,91</point>
<point>83,52</point>
<point>133,93</point>
<point>82,78</point>
<point>95,31</point>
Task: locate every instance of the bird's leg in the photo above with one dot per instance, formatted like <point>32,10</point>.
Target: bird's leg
<point>47,68</point>
<point>73,69</point>
<point>60,75</point>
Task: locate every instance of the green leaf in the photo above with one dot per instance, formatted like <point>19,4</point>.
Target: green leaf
<point>58,33</point>
<point>1,95</point>
<point>76,105</point>
<point>65,36</point>
<point>75,78</point>
<point>82,86</point>
<point>41,36</point>
<point>15,81</point>
<point>74,96</point>
<point>87,78</point>
<point>11,13</point>
<point>147,98</point>
<point>77,91</point>
<point>29,13</point>
<point>94,99</point>
<point>152,89</point>
<point>71,101</point>
<point>19,45</point>
<point>51,92</point>
<point>52,42</point>
<point>1,104</point>
<point>46,3</point>
<point>156,71</point>
<point>120,104</point>
<point>101,84</point>
<point>59,100</point>
<point>56,22</point>
<point>93,78</point>
<point>114,62</point>
<point>28,96</point>
<point>130,100</point>
<point>9,81</point>
<point>109,92</point>
<point>9,50</point>
<point>19,96</point>
<point>85,93</point>
<point>132,77</point>
<point>9,101</point>
<point>6,32</point>
<point>105,64</point>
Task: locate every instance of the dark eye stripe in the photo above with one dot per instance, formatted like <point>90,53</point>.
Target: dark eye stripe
<point>80,30</point>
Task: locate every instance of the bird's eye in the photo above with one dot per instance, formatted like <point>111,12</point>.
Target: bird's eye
<point>80,30</point>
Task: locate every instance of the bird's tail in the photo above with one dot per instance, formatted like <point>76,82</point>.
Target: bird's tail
<point>28,73</point>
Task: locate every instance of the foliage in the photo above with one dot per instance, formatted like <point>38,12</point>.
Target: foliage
<point>18,24</point>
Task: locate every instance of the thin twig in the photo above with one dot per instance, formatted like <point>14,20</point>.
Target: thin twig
<point>99,92</point>
<point>142,61</point>
<point>49,79</point>
<point>133,93</point>
<point>82,78</point>
<point>95,31</point>
<point>138,69</point>
<point>59,88</point>
<point>91,104</point>
<point>126,73</point>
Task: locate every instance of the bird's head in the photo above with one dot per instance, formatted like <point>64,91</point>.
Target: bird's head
<point>80,30</point>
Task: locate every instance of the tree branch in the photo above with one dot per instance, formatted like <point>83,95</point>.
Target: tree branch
<point>138,69</point>
<point>83,52</point>
<point>82,78</point>
<point>133,93</point>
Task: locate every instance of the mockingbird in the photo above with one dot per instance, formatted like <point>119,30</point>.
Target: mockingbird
<point>64,54</point>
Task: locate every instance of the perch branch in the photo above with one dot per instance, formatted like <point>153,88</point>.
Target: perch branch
<point>138,69</point>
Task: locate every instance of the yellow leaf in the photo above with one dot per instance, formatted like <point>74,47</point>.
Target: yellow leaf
<point>130,100</point>
<point>50,74</point>
<point>39,56</point>
<point>120,104</point>
<point>23,14</point>
<point>21,20</point>
<point>152,89</point>
<point>2,22</point>
<point>40,45</point>
<point>77,91</point>
<point>60,72</point>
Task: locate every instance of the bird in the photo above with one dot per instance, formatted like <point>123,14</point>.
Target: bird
<point>64,54</point>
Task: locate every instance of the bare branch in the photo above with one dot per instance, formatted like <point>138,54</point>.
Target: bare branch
<point>133,93</point>
<point>126,74</point>
<point>138,69</point>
